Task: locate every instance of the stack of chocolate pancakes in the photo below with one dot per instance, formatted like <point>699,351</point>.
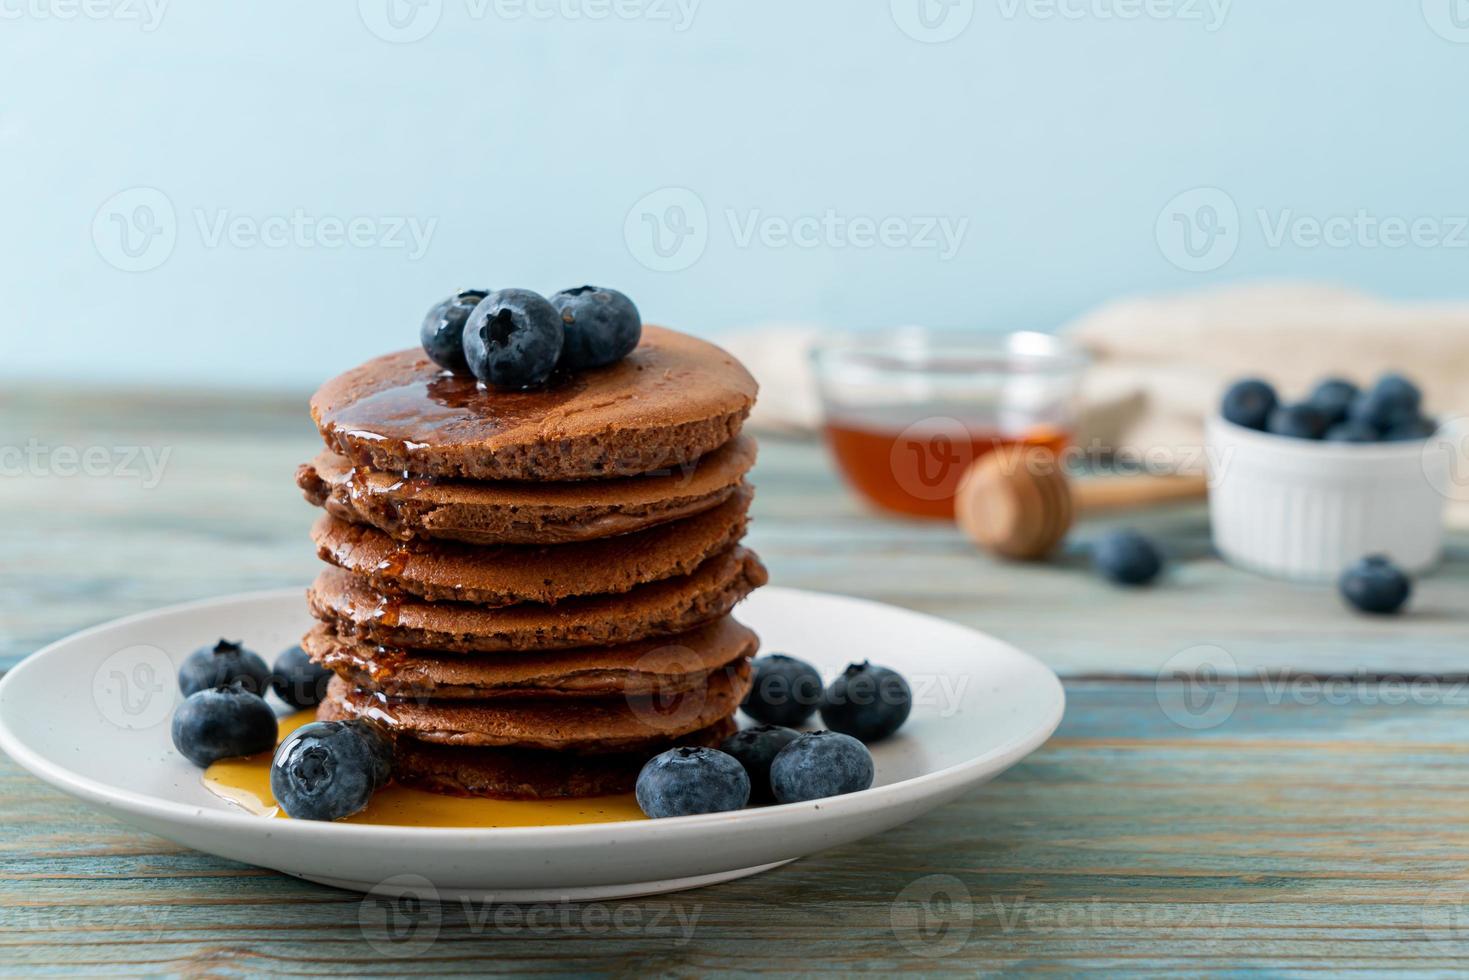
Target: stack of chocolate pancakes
<point>533,589</point>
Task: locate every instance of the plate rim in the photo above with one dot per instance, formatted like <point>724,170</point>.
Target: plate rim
<point>147,806</point>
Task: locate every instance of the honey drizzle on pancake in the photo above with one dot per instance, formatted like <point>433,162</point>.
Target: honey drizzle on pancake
<point>430,412</point>
<point>362,494</point>
<point>246,784</point>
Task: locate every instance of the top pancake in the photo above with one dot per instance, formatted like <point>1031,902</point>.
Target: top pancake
<point>670,401</point>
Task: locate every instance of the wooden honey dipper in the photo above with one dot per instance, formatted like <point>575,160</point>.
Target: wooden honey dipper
<point>1022,505</point>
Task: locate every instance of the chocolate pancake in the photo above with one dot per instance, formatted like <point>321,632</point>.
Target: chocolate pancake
<point>586,725</point>
<point>662,666</point>
<point>670,401</point>
<point>522,513</point>
<point>354,608</point>
<point>531,774</point>
<point>502,576</point>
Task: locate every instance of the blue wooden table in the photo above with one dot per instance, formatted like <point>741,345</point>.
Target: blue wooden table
<point>1298,810</point>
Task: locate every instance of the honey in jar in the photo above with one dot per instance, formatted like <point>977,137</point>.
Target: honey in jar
<point>915,469</point>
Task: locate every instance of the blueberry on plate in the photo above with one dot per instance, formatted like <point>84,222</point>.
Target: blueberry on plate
<point>1333,397</point>
<point>785,691</point>
<point>223,723</point>
<point>1249,403</point>
<point>818,765</point>
<point>1127,558</point>
<point>297,680</point>
<point>692,779</point>
<point>442,333</point>
<point>380,746</point>
<point>1375,585</point>
<point>513,338</point>
<point>866,702</point>
<point>223,664</point>
<point>1351,430</point>
<point>602,326</point>
<point>1392,401</point>
<point>329,769</point>
<point>755,749</point>
<point>1410,430</point>
<point>1299,421</point>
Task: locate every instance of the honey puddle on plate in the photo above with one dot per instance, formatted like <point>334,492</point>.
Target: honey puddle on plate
<point>246,783</point>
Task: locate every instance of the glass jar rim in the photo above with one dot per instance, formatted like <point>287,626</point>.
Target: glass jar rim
<point>924,350</point>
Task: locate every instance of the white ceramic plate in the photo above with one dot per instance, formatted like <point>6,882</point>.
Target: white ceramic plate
<point>90,715</point>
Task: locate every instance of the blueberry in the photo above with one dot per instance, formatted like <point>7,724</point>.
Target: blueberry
<point>442,333</point>
<point>786,691</point>
<point>692,780</point>
<point>299,682</point>
<point>222,664</point>
<point>1392,401</point>
<point>1249,403</point>
<point>866,702</point>
<point>379,744</point>
<point>1400,391</point>
<point>602,326</point>
<point>223,723</point>
<point>1333,397</point>
<point>1375,585</point>
<point>513,338</point>
<point>1299,421</point>
<point>1351,431</point>
<point>818,765</point>
<point>755,748</point>
<point>1127,558</point>
<point>1410,430</point>
<point>329,769</point>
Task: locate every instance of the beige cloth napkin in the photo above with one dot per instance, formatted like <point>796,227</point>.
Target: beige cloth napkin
<point>1177,353</point>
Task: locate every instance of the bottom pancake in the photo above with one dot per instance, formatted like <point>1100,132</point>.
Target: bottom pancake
<point>532,774</point>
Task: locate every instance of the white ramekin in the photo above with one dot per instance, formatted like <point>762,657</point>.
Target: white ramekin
<point>1299,509</point>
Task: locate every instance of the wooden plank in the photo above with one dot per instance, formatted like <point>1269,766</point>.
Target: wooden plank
<point>1293,836</point>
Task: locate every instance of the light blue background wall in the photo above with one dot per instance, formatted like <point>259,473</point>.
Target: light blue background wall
<point>529,142</point>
